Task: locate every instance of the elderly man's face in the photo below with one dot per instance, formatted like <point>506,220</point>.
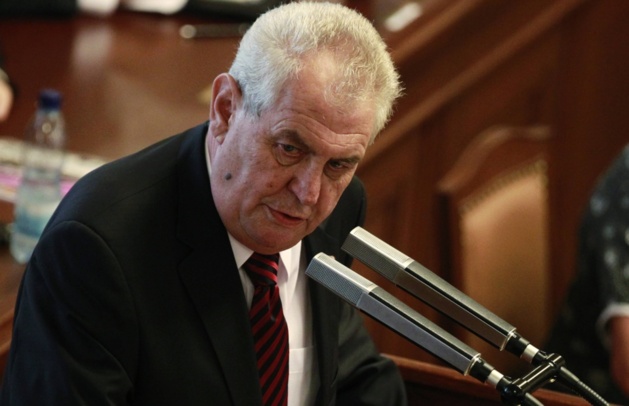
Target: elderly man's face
<point>276,178</point>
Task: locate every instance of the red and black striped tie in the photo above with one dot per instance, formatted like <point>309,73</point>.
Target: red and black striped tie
<point>270,333</point>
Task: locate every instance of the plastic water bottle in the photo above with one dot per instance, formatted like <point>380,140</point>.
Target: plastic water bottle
<point>39,191</point>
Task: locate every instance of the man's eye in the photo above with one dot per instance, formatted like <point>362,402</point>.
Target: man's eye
<point>289,149</point>
<point>337,164</point>
<point>336,169</point>
<point>340,165</point>
<point>287,154</point>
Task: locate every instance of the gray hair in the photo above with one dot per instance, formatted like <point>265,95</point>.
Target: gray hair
<point>281,40</point>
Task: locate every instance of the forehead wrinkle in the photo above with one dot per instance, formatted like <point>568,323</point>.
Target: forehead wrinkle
<point>293,107</point>
<point>318,122</point>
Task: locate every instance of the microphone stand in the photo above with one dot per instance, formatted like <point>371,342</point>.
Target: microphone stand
<point>550,368</point>
<point>417,280</point>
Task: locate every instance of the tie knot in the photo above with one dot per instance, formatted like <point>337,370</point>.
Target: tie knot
<point>262,269</point>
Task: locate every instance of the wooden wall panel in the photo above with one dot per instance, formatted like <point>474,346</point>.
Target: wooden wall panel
<point>474,64</point>
<point>590,119</point>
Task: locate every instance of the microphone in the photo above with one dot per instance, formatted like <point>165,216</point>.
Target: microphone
<point>417,280</point>
<point>385,308</point>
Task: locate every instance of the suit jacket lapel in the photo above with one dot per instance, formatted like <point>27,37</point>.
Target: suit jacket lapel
<point>325,315</point>
<point>210,275</point>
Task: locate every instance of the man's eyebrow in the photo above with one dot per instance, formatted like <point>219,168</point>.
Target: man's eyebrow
<point>349,160</point>
<point>296,140</point>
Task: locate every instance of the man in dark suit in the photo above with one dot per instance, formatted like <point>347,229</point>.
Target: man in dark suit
<point>136,293</point>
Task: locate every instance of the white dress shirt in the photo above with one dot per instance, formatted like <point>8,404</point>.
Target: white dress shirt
<point>303,379</point>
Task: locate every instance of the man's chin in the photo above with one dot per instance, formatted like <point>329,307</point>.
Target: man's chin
<point>278,245</point>
<point>274,242</point>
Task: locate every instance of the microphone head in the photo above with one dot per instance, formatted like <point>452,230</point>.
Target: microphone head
<point>338,278</point>
<point>375,253</point>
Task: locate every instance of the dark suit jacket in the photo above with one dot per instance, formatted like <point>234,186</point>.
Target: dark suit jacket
<point>133,297</point>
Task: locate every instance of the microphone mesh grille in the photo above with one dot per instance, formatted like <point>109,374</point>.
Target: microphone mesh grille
<point>370,257</point>
<point>334,281</point>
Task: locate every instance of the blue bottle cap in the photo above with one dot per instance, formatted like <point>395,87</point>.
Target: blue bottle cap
<point>50,99</point>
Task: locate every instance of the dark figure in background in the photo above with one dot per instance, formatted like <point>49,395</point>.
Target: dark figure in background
<point>136,293</point>
<point>592,332</point>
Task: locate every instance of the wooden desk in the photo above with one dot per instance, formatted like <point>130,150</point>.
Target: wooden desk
<point>128,80</point>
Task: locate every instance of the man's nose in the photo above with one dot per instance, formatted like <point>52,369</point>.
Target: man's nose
<point>306,184</point>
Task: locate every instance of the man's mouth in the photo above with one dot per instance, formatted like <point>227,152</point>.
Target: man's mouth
<point>286,218</point>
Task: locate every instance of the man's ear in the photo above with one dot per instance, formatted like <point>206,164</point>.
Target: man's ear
<point>226,98</point>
